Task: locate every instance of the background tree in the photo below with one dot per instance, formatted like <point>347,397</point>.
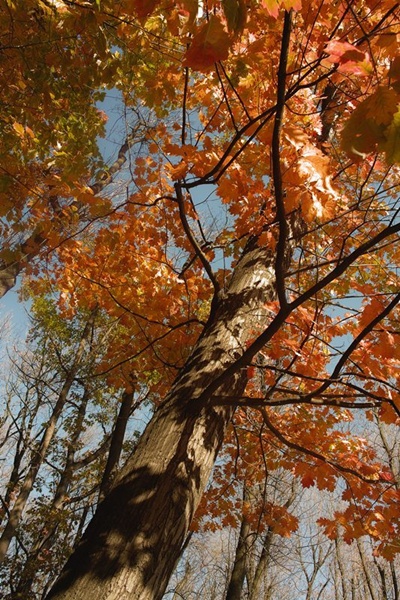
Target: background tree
<point>63,435</point>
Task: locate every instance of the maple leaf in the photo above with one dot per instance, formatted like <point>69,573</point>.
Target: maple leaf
<point>374,124</point>
<point>210,44</point>
<point>236,14</point>
<point>330,528</point>
<point>381,105</point>
<point>386,475</point>
<point>361,135</point>
<point>19,129</point>
<point>179,171</point>
<point>307,480</point>
<point>349,58</point>
<point>371,310</point>
<point>272,6</point>
<point>292,4</point>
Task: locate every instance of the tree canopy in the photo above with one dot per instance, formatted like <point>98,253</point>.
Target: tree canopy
<point>243,240</point>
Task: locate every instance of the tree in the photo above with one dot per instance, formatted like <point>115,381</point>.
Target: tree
<point>256,239</point>
<point>63,436</point>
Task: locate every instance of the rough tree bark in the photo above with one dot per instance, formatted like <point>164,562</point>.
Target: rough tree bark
<point>133,542</point>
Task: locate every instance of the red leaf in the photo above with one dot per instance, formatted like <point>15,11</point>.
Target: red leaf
<point>386,476</point>
<point>307,480</point>
<point>143,8</point>
<point>349,58</point>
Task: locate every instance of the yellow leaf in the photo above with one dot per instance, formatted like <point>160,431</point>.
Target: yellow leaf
<point>272,7</point>
<point>19,129</point>
<point>30,132</point>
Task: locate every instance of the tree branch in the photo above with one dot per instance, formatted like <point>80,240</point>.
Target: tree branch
<point>276,163</point>
<point>284,440</point>
<point>192,240</point>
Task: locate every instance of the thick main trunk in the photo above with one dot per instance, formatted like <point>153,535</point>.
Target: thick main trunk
<point>130,548</point>
<point>132,544</point>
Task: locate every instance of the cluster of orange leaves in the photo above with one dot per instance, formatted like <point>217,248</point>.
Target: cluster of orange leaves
<point>216,62</point>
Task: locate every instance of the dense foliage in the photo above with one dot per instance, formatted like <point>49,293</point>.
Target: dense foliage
<point>242,245</point>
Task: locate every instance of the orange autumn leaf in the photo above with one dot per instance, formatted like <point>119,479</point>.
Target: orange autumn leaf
<point>273,6</point>
<point>210,44</point>
<point>179,171</point>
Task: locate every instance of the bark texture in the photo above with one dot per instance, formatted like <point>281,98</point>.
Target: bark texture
<point>133,542</point>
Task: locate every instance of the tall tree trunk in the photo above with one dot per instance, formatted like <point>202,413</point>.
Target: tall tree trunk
<point>366,572</point>
<point>238,574</point>
<point>134,540</point>
<point>395,582</point>
<point>24,422</point>
<point>262,566</point>
<point>117,440</point>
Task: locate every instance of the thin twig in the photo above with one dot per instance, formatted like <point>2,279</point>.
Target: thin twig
<point>192,239</point>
